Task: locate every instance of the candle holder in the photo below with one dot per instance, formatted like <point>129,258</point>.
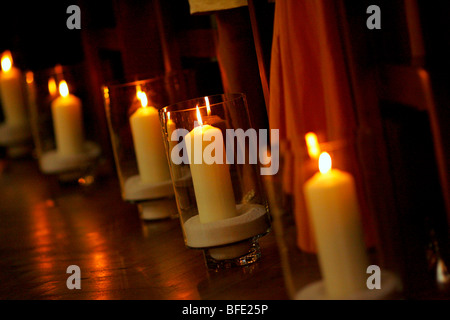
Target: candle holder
<point>135,131</point>
<point>61,125</point>
<point>15,132</point>
<point>221,204</point>
<point>324,248</point>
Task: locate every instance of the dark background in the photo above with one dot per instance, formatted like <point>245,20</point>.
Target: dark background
<point>36,33</point>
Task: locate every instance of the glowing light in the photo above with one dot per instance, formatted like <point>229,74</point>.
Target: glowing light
<point>106,92</point>
<point>63,89</point>
<point>324,162</point>
<point>199,116</point>
<point>208,107</point>
<point>142,97</point>
<point>7,61</point>
<point>58,69</point>
<point>29,77</point>
<point>313,145</point>
<point>52,86</point>
<point>168,115</point>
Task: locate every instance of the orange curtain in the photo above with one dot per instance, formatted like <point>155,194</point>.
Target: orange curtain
<point>310,91</point>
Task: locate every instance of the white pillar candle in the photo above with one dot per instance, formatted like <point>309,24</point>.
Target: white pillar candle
<point>212,182</point>
<point>67,122</point>
<point>12,88</point>
<point>333,207</point>
<point>148,143</point>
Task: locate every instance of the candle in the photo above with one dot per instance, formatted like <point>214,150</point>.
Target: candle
<point>67,122</point>
<point>212,182</point>
<point>333,207</point>
<point>148,143</point>
<point>170,129</point>
<point>11,86</point>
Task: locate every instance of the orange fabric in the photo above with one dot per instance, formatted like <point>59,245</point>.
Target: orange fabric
<point>309,91</point>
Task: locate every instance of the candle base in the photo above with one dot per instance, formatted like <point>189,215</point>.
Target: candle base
<point>136,190</point>
<point>251,221</point>
<point>390,290</point>
<point>234,255</point>
<point>158,209</point>
<point>231,242</point>
<point>52,162</point>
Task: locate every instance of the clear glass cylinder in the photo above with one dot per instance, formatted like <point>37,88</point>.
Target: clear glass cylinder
<point>62,123</point>
<point>221,203</point>
<point>323,223</point>
<point>132,110</point>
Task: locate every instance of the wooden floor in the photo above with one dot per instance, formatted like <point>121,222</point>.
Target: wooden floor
<point>46,226</point>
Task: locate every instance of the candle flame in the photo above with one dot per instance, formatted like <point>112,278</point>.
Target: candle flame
<point>63,88</point>
<point>313,145</point>
<point>52,86</point>
<point>29,77</point>
<point>142,97</point>
<point>199,116</point>
<point>208,107</point>
<point>324,162</point>
<point>7,61</point>
<point>168,115</point>
<point>106,92</point>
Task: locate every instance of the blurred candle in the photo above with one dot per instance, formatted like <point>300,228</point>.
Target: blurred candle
<point>32,103</point>
<point>31,94</point>
<point>31,89</point>
<point>67,122</point>
<point>333,206</point>
<point>212,182</point>
<point>148,143</point>
<point>12,88</point>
